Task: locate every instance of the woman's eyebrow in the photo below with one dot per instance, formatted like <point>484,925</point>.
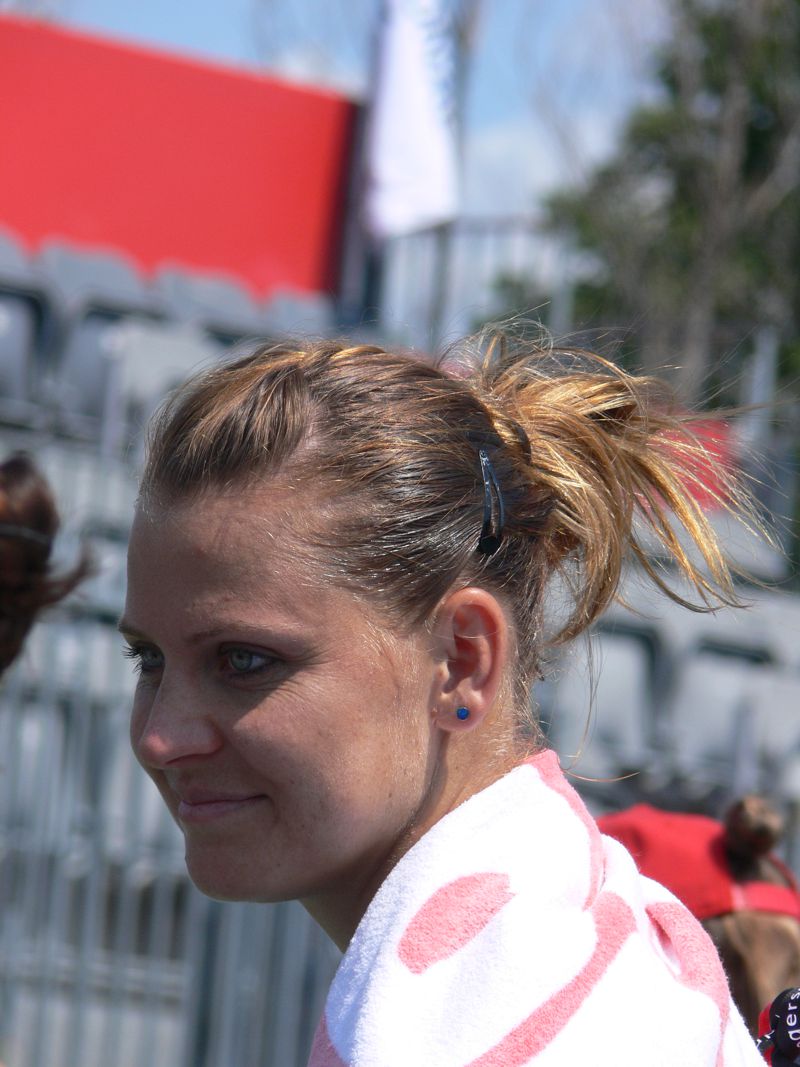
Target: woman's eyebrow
<point>127,629</point>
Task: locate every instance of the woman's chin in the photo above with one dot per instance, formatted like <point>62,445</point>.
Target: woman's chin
<point>229,884</point>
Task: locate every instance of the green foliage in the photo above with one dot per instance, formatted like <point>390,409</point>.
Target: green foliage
<point>690,235</point>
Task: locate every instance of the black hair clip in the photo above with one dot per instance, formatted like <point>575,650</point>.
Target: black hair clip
<point>493,509</point>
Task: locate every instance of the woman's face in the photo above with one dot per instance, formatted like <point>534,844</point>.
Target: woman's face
<point>289,732</point>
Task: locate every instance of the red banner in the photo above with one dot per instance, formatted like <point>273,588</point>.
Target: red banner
<point>169,159</point>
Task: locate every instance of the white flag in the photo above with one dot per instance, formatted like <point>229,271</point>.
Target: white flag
<point>411,158</point>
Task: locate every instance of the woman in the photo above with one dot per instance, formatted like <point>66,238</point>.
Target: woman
<point>338,575</point>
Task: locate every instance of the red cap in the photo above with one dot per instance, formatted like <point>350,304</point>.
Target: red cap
<point>686,854</point>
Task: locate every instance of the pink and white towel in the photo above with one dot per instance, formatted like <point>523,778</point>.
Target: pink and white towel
<point>514,933</point>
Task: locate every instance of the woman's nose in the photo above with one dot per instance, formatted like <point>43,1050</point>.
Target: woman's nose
<point>169,725</point>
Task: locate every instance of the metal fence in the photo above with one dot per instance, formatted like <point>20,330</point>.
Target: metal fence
<point>441,285</point>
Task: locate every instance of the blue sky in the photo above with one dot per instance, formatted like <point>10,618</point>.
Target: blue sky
<point>549,80</point>
<point>214,29</point>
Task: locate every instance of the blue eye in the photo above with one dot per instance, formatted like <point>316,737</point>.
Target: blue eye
<point>146,658</point>
<point>245,661</point>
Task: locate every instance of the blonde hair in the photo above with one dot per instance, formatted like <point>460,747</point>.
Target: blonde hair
<point>392,444</point>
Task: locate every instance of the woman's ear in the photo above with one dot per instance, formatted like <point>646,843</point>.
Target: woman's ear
<point>471,636</point>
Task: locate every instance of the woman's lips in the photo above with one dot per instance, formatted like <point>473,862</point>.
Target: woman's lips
<point>198,811</point>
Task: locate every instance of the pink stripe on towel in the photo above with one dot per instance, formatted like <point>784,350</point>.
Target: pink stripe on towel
<point>615,923</point>
<point>546,763</point>
<point>451,918</point>
<point>700,965</point>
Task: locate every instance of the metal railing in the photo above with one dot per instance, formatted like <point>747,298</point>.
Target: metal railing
<point>440,285</point>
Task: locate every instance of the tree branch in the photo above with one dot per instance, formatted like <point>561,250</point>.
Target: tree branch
<point>782,179</point>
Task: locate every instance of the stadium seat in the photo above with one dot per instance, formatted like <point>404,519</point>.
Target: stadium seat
<point>87,386</point>
<point>779,625</point>
<point>17,342</point>
<point>78,656</point>
<point>28,329</point>
<point>682,631</point>
<point>90,278</point>
<point>220,304</point>
<point>712,724</point>
<point>35,768</point>
<point>116,372</point>
<point>155,357</point>
<point>776,709</point>
<point>615,686</point>
<point>97,293</point>
<point>103,593</point>
<point>96,493</point>
<point>289,314</point>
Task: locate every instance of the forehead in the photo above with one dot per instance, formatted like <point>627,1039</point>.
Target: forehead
<point>227,546</point>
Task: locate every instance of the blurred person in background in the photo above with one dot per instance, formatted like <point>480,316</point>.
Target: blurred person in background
<point>338,581</point>
<point>28,525</point>
<point>727,874</point>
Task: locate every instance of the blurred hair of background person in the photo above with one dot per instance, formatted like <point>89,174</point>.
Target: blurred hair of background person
<point>28,525</point>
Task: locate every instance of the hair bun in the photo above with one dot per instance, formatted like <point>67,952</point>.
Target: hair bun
<point>753,826</point>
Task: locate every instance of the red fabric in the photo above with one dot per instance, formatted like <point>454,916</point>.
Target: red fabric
<point>764,1028</point>
<point>713,449</point>
<point>686,854</point>
<point>169,159</point>
<point>761,896</point>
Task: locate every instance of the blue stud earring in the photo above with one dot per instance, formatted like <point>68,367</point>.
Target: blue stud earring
<point>462,713</point>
